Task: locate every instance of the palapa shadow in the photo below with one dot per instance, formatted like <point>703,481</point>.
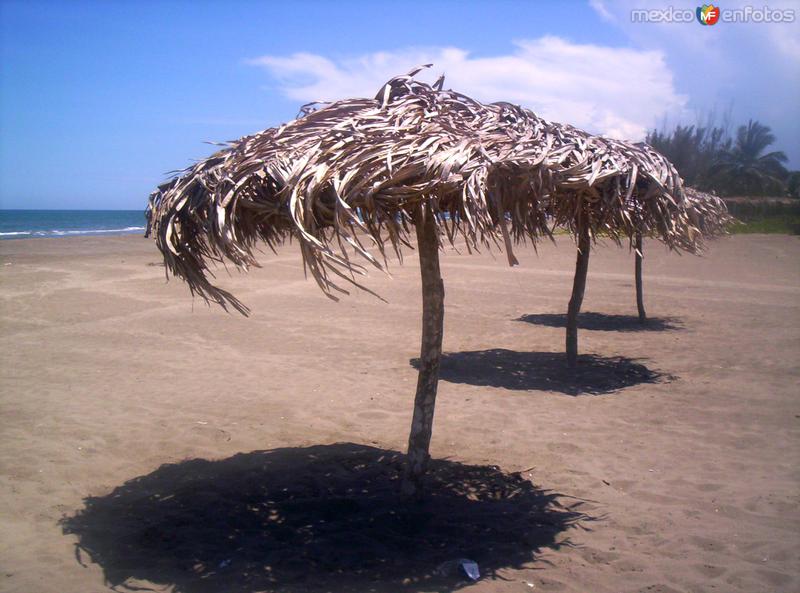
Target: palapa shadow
<point>605,322</point>
<point>544,371</point>
<point>321,518</point>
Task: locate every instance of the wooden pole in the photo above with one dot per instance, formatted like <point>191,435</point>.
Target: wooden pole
<point>430,353</point>
<point>639,246</point>
<point>575,301</point>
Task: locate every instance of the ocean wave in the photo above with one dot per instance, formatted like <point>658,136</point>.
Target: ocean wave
<point>62,233</point>
<point>127,229</point>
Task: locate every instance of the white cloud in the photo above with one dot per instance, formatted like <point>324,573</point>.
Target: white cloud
<point>720,40</point>
<point>753,68</point>
<point>619,92</point>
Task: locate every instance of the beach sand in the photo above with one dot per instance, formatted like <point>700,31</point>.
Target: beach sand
<point>674,452</point>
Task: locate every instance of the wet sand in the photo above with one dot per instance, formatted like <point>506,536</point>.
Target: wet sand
<point>670,462</point>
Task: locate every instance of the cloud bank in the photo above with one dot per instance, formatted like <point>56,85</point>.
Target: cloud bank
<point>619,92</point>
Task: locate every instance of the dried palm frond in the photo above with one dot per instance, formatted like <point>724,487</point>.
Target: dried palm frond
<point>708,213</point>
<point>348,177</point>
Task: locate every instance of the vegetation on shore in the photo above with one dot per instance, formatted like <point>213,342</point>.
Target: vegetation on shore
<point>787,223</point>
<point>709,158</point>
<point>757,187</point>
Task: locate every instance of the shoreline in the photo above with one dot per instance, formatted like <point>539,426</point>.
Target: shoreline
<point>26,223</point>
<point>18,235</point>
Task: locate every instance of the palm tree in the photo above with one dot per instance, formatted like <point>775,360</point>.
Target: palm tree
<point>793,184</point>
<point>694,150</point>
<point>745,169</point>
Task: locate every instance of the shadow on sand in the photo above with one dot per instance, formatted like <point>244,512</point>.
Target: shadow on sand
<point>322,518</point>
<point>605,322</point>
<point>544,371</point>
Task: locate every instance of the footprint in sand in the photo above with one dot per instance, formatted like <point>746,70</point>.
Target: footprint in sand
<point>709,571</point>
<point>216,434</point>
<point>373,415</point>
<point>709,545</point>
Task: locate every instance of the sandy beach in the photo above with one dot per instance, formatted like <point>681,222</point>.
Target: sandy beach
<point>669,463</point>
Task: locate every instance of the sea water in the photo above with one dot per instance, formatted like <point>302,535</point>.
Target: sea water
<point>26,224</point>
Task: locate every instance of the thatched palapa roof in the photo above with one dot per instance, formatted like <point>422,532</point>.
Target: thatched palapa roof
<point>347,177</point>
<point>708,213</point>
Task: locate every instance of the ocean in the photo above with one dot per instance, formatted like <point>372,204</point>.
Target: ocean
<point>25,224</point>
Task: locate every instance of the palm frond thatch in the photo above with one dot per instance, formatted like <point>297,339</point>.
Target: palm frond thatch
<point>708,213</point>
<point>350,175</point>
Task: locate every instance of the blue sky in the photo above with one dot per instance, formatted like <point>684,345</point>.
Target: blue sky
<point>98,100</point>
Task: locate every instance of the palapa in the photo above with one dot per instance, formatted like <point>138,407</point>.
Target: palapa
<point>708,215</point>
<point>348,179</point>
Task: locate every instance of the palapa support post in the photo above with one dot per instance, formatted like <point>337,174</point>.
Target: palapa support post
<point>430,352</point>
<point>575,301</point>
<point>639,246</point>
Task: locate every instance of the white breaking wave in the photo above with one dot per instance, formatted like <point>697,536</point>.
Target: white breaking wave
<point>61,233</point>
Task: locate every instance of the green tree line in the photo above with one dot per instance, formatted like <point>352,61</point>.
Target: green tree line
<point>711,159</point>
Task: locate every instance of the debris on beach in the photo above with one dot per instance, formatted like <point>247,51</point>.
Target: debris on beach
<point>455,567</point>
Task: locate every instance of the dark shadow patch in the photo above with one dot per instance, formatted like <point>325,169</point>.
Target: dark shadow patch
<point>544,371</point>
<point>605,322</point>
<point>322,518</point>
